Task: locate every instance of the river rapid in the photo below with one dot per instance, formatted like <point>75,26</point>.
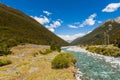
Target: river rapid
<point>92,66</point>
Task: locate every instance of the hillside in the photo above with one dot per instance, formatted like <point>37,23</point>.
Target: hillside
<point>100,35</point>
<point>16,28</point>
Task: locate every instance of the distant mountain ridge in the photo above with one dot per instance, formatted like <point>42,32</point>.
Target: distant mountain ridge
<point>16,28</point>
<point>110,28</point>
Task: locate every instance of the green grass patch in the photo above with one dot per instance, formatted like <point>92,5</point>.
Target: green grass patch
<point>4,62</point>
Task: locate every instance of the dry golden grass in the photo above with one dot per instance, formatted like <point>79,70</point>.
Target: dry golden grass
<point>27,67</point>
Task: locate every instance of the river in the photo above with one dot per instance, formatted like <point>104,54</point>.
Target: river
<point>92,66</point>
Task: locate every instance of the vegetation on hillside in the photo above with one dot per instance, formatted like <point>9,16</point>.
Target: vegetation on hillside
<point>107,33</point>
<point>104,50</point>
<point>63,60</point>
<point>18,28</point>
<point>4,50</point>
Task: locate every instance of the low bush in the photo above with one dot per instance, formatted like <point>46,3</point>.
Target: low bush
<point>54,47</point>
<point>35,54</point>
<point>119,45</point>
<point>4,62</point>
<point>4,50</point>
<point>47,51</point>
<point>63,60</point>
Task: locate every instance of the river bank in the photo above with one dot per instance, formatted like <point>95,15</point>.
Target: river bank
<point>100,66</point>
<point>112,60</point>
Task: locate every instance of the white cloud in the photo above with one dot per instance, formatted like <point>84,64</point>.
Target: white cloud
<point>90,21</point>
<point>47,13</point>
<point>54,25</point>
<point>89,32</point>
<point>70,38</point>
<point>72,26</point>
<point>51,29</point>
<point>42,20</point>
<point>48,22</point>
<point>111,7</point>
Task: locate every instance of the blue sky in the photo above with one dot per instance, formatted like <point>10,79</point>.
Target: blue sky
<point>68,18</point>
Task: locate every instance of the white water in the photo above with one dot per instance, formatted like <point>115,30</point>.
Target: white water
<point>103,71</point>
<point>112,60</point>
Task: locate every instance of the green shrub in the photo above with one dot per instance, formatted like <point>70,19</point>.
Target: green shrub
<point>4,62</point>
<point>70,57</point>
<point>63,60</point>
<point>47,51</point>
<point>58,48</point>
<point>118,45</point>
<point>35,54</point>
<point>4,50</point>
<point>54,47</point>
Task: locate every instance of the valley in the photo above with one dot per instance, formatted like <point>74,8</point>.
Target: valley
<point>62,44</point>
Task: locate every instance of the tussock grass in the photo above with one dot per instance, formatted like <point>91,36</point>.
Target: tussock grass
<point>33,68</point>
<point>105,50</point>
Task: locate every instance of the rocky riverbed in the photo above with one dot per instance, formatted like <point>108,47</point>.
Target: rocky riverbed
<point>92,66</point>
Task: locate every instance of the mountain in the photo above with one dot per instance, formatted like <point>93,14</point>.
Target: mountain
<point>16,28</point>
<point>108,32</point>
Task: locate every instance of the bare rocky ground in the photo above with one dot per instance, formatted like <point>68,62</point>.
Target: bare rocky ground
<point>25,66</point>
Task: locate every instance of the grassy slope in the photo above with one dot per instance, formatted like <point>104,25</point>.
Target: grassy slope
<point>97,35</point>
<point>16,28</point>
<point>25,66</point>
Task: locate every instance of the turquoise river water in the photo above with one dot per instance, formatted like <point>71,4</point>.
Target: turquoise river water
<point>94,68</point>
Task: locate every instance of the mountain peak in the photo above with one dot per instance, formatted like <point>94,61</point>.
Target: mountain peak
<point>117,20</point>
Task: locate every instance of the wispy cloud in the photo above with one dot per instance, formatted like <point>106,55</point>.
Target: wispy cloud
<point>72,26</point>
<point>54,25</point>
<point>90,21</point>
<point>47,13</point>
<point>70,38</point>
<point>111,7</point>
<point>43,20</point>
